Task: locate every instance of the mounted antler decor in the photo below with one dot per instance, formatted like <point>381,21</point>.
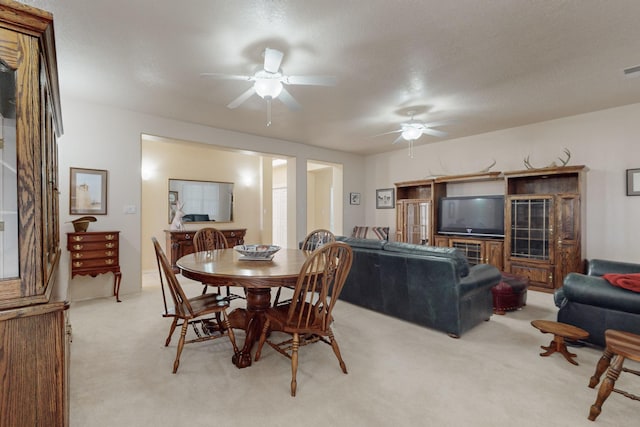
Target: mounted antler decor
<point>553,164</point>
<point>482,171</point>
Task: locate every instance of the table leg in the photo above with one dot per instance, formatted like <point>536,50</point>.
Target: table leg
<point>251,320</point>
<point>558,345</point>
<point>117,277</point>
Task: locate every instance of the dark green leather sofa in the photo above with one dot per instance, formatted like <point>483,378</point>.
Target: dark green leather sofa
<point>590,302</point>
<point>426,285</point>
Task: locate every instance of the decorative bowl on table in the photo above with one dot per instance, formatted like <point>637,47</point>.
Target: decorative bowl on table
<point>257,252</point>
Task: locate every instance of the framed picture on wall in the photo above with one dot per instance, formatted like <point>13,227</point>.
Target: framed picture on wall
<point>385,198</point>
<point>88,191</point>
<point>354,198</point>
<point>633,182</point>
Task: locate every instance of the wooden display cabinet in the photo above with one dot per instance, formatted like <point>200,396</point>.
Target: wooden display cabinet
<point>416,204</point>
<point>34,329</point>
<point>543,211</point>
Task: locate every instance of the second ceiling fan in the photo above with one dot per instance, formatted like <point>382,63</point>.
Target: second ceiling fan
<point>268,83</point>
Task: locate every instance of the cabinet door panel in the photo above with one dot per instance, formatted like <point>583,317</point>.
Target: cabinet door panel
<point>541,276</point>
<point>530,234</point>
<point>494,253</point>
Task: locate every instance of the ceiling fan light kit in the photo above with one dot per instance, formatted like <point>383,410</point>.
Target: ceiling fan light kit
<point>269,87</point>
<point>411,133</point>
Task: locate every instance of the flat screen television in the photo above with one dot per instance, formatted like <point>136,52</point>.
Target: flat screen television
<point>471,216</point>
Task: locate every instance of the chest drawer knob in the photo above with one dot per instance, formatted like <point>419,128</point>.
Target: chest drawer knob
<point>77,247</point>
<point>77,238</point>
<point>110,245</point>
<point>77,264</point>
<point>109,236</point>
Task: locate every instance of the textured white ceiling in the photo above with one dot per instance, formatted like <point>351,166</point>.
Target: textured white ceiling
<point>483,65</point>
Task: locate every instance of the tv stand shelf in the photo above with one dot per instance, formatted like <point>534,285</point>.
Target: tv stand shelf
<point>478,250</point>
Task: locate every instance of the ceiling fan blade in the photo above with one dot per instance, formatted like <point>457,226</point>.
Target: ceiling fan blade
<point>310,80</point>
<point>398,139</point>
<point>434,132</point>
<point>239,100</point>
<point>272,60</point>
<point>289,100</point>
<point>226,76</point>
<point>438,123</point>
<point>387,133</point>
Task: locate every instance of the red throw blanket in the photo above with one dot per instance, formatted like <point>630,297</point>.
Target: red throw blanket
<point>626,281</point>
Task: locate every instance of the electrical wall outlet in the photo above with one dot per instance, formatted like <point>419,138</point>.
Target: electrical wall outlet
<point>129,209</point>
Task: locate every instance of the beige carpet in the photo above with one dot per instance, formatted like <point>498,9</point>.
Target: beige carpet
<point>399,374</point>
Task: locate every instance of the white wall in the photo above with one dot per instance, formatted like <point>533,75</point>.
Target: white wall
<point>164,159</point>
<point>107,138</point>
<point>605,141</point>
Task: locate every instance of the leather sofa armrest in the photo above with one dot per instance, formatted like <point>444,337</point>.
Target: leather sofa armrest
<point>480,276</point>
<point>596,291</point>
<point>599,267</point>
<point>559,298</point>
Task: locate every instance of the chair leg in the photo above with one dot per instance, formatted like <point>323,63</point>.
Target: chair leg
<point>171,329</point>
<point>294,362</point>
<point>232,336</point>
<point>183,334</point>
<point>606,387</point>
<point>263,338</point>
<point>601,367</point>
<point>204,289</point>
<point>336,350</point>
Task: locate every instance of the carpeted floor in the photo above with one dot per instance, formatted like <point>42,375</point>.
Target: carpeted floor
<point>399,374</point>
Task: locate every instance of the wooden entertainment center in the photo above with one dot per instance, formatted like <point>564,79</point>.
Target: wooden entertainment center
<point>542,230</point>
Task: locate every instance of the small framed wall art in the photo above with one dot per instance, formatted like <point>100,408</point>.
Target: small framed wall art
<point>633,182</point>
<point>385,198</point>
<point>354,198</point>
<point>88,191</point>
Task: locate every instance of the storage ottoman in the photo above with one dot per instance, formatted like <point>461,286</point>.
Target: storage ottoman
<point>510,293</point>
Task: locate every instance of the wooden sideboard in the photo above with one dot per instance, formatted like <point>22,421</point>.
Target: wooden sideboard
<point>180,243</point>
<point>96,252</point>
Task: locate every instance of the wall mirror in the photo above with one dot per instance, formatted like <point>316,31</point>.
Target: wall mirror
<point>201,201</point>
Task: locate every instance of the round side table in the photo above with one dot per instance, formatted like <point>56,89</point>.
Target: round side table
<point>560,331</point>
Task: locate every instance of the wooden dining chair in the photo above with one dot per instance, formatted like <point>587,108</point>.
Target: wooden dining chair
<point>196,311</point>
<point>209,239</point>
<point>312,241</point>
<point>307,318</point>
<point>620,345</point>
<point>317,238</point>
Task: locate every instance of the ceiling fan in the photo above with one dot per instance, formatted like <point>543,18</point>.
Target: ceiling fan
<point>268,83</point>
<point>414,129</point>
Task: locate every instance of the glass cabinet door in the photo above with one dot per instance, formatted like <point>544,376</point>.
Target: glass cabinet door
<point>531,230</point>
<point>9,250</point>
<point>417,219</point>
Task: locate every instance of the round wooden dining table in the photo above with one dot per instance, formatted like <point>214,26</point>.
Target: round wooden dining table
<point>226,267</point>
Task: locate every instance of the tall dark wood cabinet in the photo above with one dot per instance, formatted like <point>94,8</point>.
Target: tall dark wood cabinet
<point>415,204</point>
<point>543,211</point>
<point>34,331</point>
